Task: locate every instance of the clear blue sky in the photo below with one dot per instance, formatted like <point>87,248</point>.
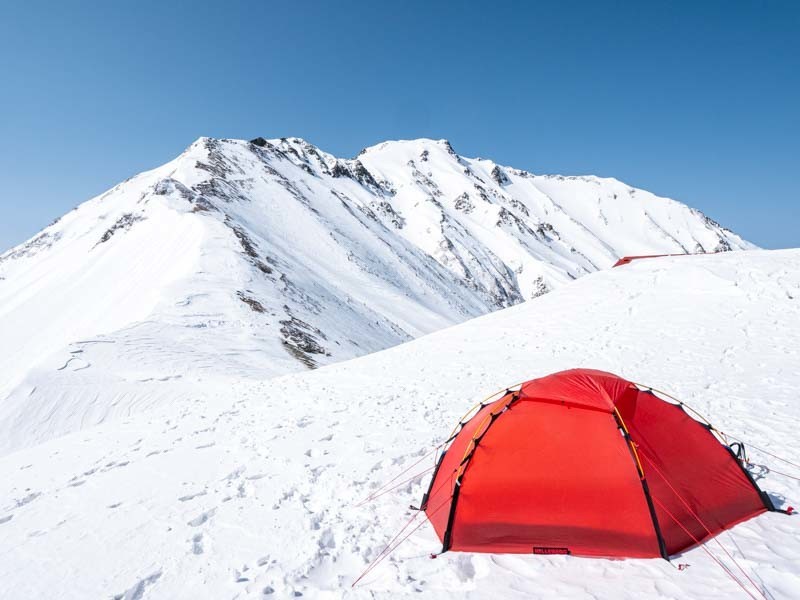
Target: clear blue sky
<point>699,101</point>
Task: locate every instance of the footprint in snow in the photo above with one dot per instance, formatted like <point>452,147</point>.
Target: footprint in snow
<point>234,474</point>
<point>188,497</point>
<point>27,499</point>
<point>116,465</point>
<point>137,591</point>
<point>197,544</point>
<point>202,518</point>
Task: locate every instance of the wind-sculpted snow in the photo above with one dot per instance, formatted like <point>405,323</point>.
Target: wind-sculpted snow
<point>251,489</point>
<point>250,259</point>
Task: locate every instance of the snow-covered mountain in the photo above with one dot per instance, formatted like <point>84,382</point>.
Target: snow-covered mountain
<point>252,491</point>
<point>251,259</point>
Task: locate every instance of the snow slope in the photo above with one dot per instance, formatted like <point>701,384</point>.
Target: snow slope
<point>250,259</point>
<point>250,490</point>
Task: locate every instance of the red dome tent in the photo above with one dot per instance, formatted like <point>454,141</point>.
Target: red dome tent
<point>583,462</point>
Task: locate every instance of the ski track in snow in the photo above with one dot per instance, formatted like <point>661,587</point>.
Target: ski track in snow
<point>250,489</point>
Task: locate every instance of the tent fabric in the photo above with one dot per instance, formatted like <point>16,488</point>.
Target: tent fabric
<point>628,259</point>
<point>584,388</point>
<point>697,479</point>
<point>583,462</point>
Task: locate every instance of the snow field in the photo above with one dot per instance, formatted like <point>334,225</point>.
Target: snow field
<point>249,489</point>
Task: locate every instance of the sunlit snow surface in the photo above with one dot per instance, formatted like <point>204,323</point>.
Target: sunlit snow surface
<point>247,489</point>
<point>243,260</point>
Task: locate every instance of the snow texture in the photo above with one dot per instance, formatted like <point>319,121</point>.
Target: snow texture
<point>234,487</point>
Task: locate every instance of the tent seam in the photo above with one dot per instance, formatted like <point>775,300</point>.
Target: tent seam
<point>662,545</point>
<point>466,461</point>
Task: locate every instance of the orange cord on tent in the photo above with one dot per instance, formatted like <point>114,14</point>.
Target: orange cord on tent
<point>387,550</point>
<point>714,558</point>
<point>391,546</point>
<point>464,419</point>
<point>397,485</point>
<point>699,520</point>
<point>630,443</point>
<point>480,430</point>
<point>382,489</point>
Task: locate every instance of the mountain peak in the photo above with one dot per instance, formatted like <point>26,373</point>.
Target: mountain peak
<point>417,145</point>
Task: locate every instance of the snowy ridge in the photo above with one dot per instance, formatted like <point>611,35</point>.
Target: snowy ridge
<point>251,490</point>
<point>251,259</point>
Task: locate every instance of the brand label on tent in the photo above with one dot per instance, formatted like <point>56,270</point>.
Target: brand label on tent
<point>550,550</point>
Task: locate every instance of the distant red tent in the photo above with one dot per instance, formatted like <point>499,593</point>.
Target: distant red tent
<point>583,462</point>
<point>626,259</point>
